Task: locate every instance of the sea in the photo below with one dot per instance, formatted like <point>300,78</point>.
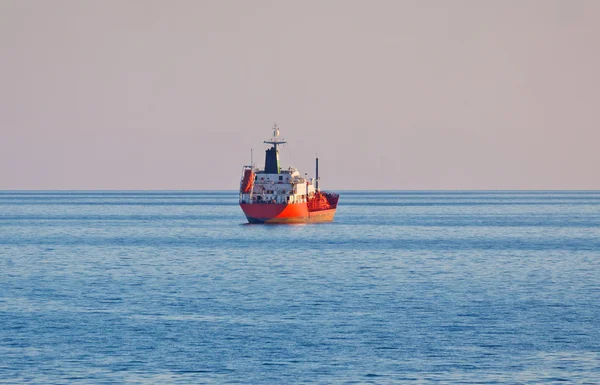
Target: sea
<point>424,287</point>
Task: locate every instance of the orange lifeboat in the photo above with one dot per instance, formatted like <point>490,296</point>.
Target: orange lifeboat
<point>247,181</point>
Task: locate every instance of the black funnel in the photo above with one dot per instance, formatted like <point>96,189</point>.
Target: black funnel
<point>272,161</point>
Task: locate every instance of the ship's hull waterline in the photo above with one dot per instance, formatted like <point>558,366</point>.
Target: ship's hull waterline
<point>285,213</point>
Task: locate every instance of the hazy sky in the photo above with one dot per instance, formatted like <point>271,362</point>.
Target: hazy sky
<point>392,94</point>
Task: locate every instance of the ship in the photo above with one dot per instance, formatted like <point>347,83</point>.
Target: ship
<point>276,195</point>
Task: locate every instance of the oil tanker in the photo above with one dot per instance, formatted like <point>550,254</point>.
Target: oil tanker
<point>275,195</point>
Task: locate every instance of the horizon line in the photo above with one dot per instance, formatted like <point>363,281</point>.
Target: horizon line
<point>345,190</point>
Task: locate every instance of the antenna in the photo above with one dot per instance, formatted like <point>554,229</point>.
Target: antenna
<point>251,158</point>
<point>317,173</point>
<point>275,140</point>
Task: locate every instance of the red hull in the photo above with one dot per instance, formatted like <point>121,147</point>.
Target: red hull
<point>285,213</point>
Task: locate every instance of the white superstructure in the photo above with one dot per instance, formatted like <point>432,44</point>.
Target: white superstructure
<point>286,187</point>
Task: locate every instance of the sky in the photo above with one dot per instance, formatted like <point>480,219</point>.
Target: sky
<point>402,95</point>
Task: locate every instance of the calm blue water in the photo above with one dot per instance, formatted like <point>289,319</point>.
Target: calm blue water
<point>173,287</point>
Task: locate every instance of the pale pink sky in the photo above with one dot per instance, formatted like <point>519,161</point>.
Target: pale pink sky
<point>392,94</point>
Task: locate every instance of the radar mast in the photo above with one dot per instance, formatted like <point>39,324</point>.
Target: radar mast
<point>272,154</point>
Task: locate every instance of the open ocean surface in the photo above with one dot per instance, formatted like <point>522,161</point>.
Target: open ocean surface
<point>114,287</point>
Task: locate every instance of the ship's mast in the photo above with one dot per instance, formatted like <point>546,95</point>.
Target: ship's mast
<point>275,140</point>
<point>317,173</point>
<point>272,154</point>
